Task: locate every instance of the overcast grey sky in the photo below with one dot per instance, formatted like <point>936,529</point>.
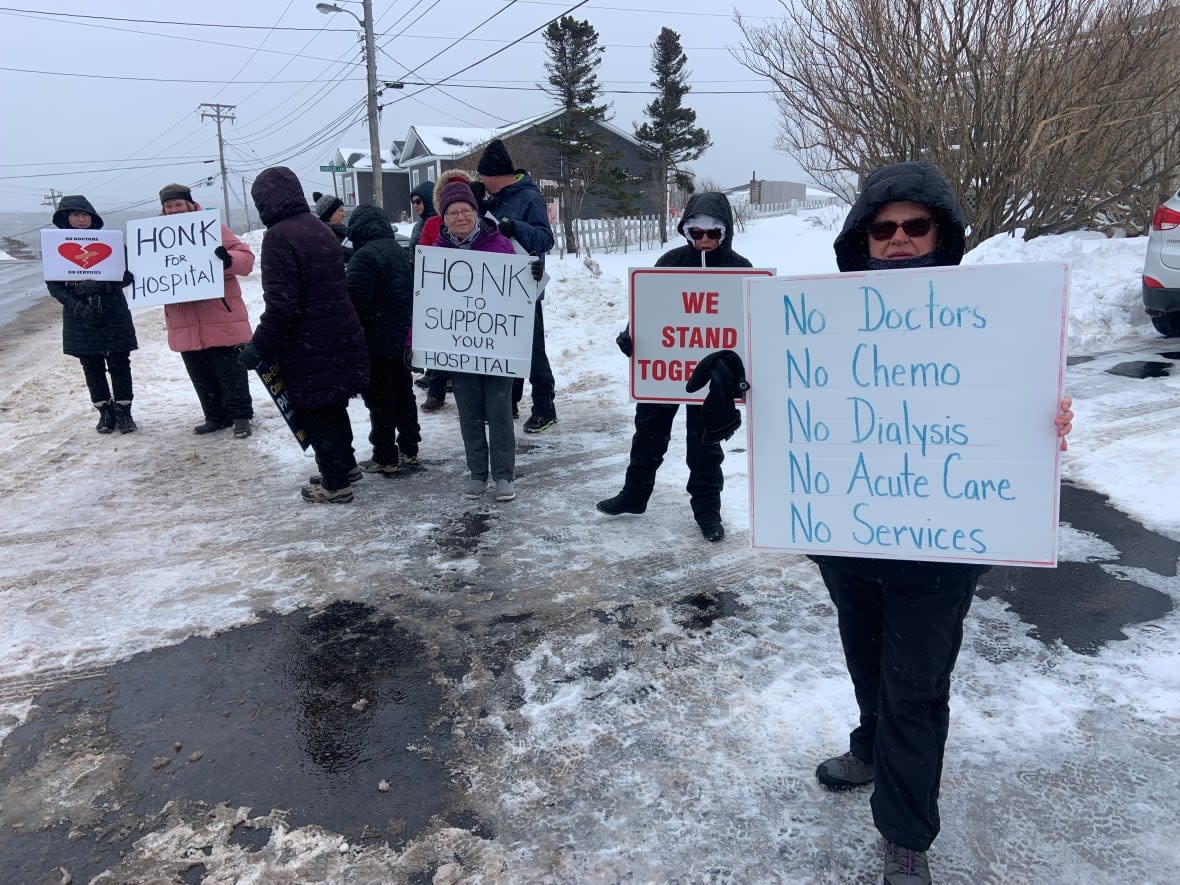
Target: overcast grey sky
<point>134,101</point>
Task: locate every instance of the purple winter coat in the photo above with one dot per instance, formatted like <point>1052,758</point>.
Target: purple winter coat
<point>309,326</point>
<point>488,240</point>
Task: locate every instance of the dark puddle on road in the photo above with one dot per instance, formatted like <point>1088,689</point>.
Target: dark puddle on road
<point>461,536</point>
<point>1078,360</point>
<point>306,713</point>
<point>1171,355</point>
<point>1141,369</point>
<point>1079,603</point>
<point>701,610</point>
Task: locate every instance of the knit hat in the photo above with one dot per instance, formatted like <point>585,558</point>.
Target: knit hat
<point>175,192</point>
<point>495,160</point>
<point>456,192</point>
<point>326,205</point>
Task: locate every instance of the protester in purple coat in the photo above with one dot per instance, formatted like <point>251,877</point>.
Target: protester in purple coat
<point>309,328</point>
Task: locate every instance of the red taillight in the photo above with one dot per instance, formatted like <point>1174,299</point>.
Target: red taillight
<point>1165,218</point>
<point>1151,283</point>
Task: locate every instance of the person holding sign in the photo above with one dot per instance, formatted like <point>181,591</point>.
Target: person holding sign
<point>96,327</point>
<point>309,329</point>
<point>707,225</point>
<point>208,333</point>
<point>484,401</point>
<point>901,621</point>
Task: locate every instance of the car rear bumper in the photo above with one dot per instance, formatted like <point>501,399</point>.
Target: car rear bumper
<point>1156,301</point>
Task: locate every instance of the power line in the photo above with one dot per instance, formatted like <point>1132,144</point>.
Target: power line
<point>152,21</point>
<point>90,76</point>
<point>100,171</point>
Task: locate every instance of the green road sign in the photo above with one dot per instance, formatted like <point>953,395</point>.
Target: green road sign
<point>333,168</point>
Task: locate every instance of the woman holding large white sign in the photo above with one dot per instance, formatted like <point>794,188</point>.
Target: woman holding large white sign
<point>901,621</point>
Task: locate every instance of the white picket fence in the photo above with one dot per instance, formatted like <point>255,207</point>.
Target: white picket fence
<point>768,210</point>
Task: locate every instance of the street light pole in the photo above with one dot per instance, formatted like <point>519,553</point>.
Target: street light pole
<point>371,99</point>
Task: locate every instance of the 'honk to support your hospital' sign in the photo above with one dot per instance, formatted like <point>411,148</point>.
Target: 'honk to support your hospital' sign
<point>908,414</point>
<point>172,258</point>
<point>473,311</point>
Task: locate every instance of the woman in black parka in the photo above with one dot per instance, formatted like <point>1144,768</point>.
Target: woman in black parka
<point>310,328</point>
<point>97,327</point>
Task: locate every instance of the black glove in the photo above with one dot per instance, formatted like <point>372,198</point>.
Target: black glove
<point>408,356</point>
<point>224,255</point>
<point>128,278</point>
<point>508,228</point>
<point>624,342</point>
<point>537,266</point>
<point>723,371</point>
<point>248,356</point>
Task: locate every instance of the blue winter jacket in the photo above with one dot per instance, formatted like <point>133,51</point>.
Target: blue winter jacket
<point>522,202</point>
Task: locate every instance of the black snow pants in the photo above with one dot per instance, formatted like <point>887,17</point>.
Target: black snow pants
<point>653,431</point>
<point>330,433</point>
<point>900,643</point>
<point>221,382</point>
<point>541,379</point>
<point>393,413</point>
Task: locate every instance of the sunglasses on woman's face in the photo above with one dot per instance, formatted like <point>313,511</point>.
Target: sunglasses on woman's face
<point>713,233</point>
<point>913,227</point>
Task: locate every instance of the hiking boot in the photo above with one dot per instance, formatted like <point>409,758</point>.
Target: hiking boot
<point>210,426</point>
<point>242,428</point>
<point>433,404</point>
<point>474,488</point>
<point>623,502</point>
<point>539,423</point>
<point>354,476</point>
<point>904,866</point>
<point>713,531</point>
<point>106,417</point>
<point>844,772</point>
<point>504,490</point>
<point>374,467</point>
<point>409,461</point>
<point>124,423</point>
<point>318,494</point>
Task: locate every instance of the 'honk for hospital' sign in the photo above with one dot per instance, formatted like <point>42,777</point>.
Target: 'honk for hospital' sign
<point>677,318</point>
<point>172,258</point>
<point>473,311</point>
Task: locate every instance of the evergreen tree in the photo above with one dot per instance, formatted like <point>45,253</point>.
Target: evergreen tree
<point>573,59</point>
<point>671,133</point>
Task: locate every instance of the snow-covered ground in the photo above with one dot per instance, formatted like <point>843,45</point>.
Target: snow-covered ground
<point>691,759</point>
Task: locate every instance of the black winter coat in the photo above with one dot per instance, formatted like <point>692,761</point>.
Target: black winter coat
<point>425,192</point>
<point>716,205</point>
<point>108,328</point>
<point>380,283</point>
<point>309,326</point>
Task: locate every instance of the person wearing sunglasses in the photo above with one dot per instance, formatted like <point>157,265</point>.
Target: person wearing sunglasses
<point>422,202</point>
<point>707,225</point>
<point>906,216</point>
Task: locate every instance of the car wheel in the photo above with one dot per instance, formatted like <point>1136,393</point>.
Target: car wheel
<point>1167,324</point>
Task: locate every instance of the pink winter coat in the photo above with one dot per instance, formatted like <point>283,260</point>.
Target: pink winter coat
<point>214,322</point>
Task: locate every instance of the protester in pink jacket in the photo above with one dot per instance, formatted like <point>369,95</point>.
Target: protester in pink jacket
<point>208,334</point>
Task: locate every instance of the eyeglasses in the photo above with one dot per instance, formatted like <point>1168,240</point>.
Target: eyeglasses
<point>458,213</point>
<point>713,233</point>
<point>913,227</point>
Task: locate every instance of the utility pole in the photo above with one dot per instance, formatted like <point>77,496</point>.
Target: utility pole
<point>51,198</point>
<point>221,112</point>
<point>245,204</point>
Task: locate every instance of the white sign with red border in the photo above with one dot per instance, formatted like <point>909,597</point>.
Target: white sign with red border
<point>172,258</point>
<point>80,254</point>
<point>679,316</point>
<point>908,414</point>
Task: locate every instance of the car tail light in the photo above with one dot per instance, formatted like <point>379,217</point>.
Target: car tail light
<point>1151,282</point>
<point>1165,218</point>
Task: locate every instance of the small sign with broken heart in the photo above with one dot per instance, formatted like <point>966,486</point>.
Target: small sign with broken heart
<point>82,254</point>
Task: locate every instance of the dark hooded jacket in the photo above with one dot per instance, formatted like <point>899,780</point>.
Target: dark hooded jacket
<point>309,326</point>
<point>522,202</point>
<point>918,183</point>
<point>109,328</point>
<point>380,283</point>
<point>716,205</point>
<point>425,192</point>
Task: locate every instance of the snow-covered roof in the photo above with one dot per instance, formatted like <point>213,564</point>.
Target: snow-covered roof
<point>359,158</point>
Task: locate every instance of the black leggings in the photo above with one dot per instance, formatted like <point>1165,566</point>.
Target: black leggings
<point>96,365</point>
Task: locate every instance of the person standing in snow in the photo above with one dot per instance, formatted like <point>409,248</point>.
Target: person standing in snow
<point>96,326</point>
<point>516,202</point>
<point>330,210</point>
<point>380,286</point>
<point>422,202</point>
<point>310,329</point>
<point>208,334</point>
<point>707,225</point>
<point>901,622</point>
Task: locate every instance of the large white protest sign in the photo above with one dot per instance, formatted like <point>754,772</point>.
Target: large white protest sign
<point>79,254</point>
<point>172,258</point>
<point>678,316</point>
<point>908,414</point>
<point>473,311</point>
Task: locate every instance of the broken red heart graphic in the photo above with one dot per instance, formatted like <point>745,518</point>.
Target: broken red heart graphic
<point>85,255</point>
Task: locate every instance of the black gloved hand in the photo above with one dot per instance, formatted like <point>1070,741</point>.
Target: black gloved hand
<point>248,356</point>
<point>537,266</point>
<point>222,253</point>
<point>625,343</point>
<point>128,278</point>
<point>507,227</point>
<point>408,356</point>
<point>725,374</point>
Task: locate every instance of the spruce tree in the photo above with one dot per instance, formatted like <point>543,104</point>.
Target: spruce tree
<point>671,134</point>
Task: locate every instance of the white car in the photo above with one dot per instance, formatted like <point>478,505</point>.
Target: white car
<point>1161,270</point>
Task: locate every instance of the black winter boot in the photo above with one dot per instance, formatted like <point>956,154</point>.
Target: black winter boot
<point>626,501</point>
<point>124,423</point>
<point>106,417</point>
